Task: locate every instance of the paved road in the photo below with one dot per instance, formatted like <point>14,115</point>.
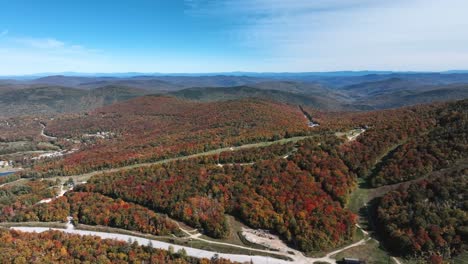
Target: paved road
<point>199,253</point>
<point>298,257</point>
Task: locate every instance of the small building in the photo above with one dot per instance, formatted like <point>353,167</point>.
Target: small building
<point>5,163</point>
<point>312,124</point>
<point>352,261</point>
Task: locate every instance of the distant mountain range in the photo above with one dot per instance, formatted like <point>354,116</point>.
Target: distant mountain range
<point>162,83</point>
<point>396,92</point>
<point>329,79</point>
<point>329,91</point>
<point>234,73</point>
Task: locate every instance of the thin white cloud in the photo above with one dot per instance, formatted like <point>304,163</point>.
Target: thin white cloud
<point>23,55</point>
<point>353,34</point>
<point>4,33</point>
<point>41,43</point>
<point>26,55</point>
<point>278,35</point>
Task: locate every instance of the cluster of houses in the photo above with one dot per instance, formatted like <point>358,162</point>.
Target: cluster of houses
<point>6,163</point>
<point>100,135</point>
<point>55,154</point>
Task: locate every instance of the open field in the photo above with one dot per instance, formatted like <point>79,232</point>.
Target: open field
<point>25,146</point>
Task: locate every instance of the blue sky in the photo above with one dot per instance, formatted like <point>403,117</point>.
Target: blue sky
<point>232,35</point>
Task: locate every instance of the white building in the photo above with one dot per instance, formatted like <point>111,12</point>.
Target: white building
<point>5,163</point>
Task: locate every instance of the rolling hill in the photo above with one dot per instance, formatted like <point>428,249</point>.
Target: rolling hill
<point>56,99</point>
<point>150,128</point>
<point>339,81</point>
<point>326,101</point>
<point>66,94</point>
<point>396,92</point>
<point>152,83</point>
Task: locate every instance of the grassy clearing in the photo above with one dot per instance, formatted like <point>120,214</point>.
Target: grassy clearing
<point>359,197</point>
<point>462,258</point>
<point>358,235</point>
<point>371,252</point>
<point>233,238</point>
<point>24,146</point>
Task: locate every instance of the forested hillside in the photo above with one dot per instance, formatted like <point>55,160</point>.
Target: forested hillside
<point>299,189</point>
<point>401,91</point>
<point>96,209</point>
<point>157,127</point>
<point>26,128</point>
<point>428,219</point>
<point>72,94</point>
<point>52,100</point>
<point>301,197</point>
<point>291,189</point>
<point>58,247</point>
<point>318,98</point>
<point>19,197</point>
<point>439,148</point>
<point>234,131</point>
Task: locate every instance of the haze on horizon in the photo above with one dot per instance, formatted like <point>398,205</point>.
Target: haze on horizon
<point>232,35</point>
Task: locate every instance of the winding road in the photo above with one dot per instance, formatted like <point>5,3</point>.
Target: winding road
<point>198,253</point>
<point>44,135</point>
<point>297,257</point>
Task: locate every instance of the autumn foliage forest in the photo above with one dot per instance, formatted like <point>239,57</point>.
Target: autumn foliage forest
<point>20,128</point>
<point>96,209</point>
<point>299,190</point>
<point>157,127</point>
<point>427,218</point>
<point>301,197</point>
<point>438,148</point>
<point>20,197</point>
<point>59,247</point>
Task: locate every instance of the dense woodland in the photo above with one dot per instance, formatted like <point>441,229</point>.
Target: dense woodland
<point>402,144</point>
<point>386,129</point>
<point>59,247</point>
<point>20,128</point>
<point>15,198</point>
<point>298,190</point>
<point>428,218</point>
<point>301,197</point>
<point>439,148</point>
<point>96,209</point>
<point>156,127</point>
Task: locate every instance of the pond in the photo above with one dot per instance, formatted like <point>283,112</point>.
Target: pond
<point>6,173</point>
